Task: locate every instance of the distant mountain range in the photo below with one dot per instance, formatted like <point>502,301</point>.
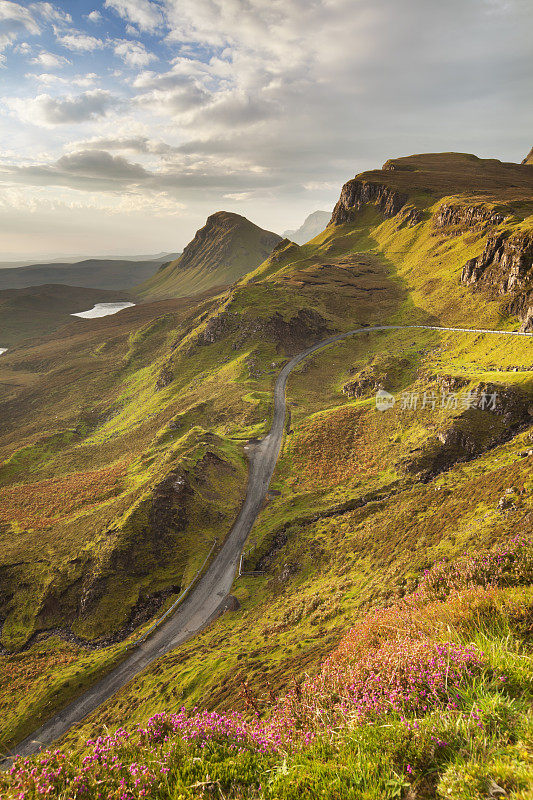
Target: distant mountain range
<point>44,260</point>
<point>93,273</point>
<point>226,248</point>
<point>313,225</point>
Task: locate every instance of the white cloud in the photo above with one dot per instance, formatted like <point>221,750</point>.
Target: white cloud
<point>94,16</point>
<point>85,80</point>
<point>15,21</point>
<point>47,78</point>
<point>50,79</point>
<point>238,196</point>
<point>49,60</point>
<point>80,42</point>
<point>133,53</point>
<point>48,111</point>
<point>319,186</point>
<point>23,49</point>
<point>51,13</point>
<point>146,15</point>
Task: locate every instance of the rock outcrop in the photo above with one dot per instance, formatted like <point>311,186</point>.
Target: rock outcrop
<point>527,321</point>
<point>473,216</point>
<point>476,430</point>
<point>506,267</point>
<point>302,329</point>
<point>382,373</point>
<point>356,193</point>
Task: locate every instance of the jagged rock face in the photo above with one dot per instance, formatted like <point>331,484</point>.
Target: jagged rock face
<point>357,193</point>
<point>451,214</point>
<point>505,264</point>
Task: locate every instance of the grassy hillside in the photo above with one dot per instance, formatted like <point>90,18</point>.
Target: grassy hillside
<point>225,249</point>
<point>411,526</point>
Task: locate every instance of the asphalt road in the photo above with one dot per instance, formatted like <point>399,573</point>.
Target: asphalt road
<point>207,598</point>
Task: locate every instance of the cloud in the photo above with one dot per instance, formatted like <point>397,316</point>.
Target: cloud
<point>50,111</point>
<point>80,42</point>
<point>146,15</point>
<point>88,170</point>
<point>94,16</point>
<point>100,164</point>
<point>134,144</point>
<point>23,49</point>
<point>15,21</point>
<point>49,60</point>
<point>133,53</point>
<point>50,79</point>
<point>51,13</point>
<point>47,78</point>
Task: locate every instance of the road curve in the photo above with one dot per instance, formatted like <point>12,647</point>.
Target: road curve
<point>208,596</point>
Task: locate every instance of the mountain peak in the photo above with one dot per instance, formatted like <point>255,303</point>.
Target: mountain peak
<point>227,247</point>
<point>311,227</point>
<point>529,158</point>
<point>226,218</point>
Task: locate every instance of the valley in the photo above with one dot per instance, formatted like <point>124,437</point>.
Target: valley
<point>135,446</point>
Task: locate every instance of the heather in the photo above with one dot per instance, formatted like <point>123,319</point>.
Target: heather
<point>424,698</point>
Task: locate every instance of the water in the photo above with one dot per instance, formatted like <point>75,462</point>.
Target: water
<point>103,310</point>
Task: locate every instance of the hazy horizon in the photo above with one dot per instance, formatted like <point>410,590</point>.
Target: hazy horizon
<point>125,123</point>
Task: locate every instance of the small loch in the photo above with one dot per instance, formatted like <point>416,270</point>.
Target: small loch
<point>103,310</point>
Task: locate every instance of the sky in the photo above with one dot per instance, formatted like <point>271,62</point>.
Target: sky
<point>125,123</point>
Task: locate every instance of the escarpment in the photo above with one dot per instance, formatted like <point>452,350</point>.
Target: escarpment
<point>506,267</point>
<point>505,264</point>
<point>470,216</point>
<point>356,193</point>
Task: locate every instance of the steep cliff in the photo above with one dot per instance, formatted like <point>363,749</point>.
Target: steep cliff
<point>506,268</point>
<point>412,184</point>
<point>356,193</point>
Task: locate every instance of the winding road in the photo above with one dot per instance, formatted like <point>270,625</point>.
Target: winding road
<point>208,596</point>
